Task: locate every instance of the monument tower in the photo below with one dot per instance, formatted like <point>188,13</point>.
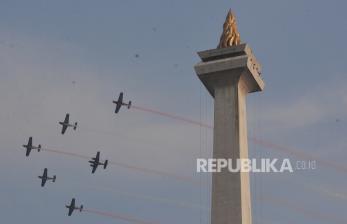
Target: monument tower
<point>229,73</point>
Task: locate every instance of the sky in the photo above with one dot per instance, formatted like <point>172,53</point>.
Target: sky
<point>59,57</point>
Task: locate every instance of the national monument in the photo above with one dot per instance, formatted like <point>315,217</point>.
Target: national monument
<point>229,73</point>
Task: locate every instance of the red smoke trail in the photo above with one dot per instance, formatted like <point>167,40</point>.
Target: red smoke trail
<point>160,173</point>
<point>264,143</point>
<point>172,116</point>
<point>298,154</point>
<point>118,216</point>
<point>66,153</point>
<point>132,167</point>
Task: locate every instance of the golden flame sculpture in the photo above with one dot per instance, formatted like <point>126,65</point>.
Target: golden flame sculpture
<point>230,36</point>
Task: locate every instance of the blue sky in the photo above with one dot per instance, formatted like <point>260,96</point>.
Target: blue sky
<point>76,56</point>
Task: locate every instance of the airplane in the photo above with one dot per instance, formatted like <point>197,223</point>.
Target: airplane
<point>72,207</point>
<point>95,162</point>
<point>30,146</point>
<point>66,124</point>
<point>45,177</point>
<point>121,103</point>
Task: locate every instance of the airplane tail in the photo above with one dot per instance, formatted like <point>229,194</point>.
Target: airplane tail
<point>81,208</point>
<point>129,104</point>
<point>75,126</point>
<point>54,178</point>
<point>105,164</point>
<point>39,148</point>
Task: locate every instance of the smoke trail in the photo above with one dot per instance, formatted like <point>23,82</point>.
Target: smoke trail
<point>132,167</point>
<point>322,190</point>
<point>172,116</point>
<point>118,216</point>
<point>298,154</point>
<point>65,153</point>
<point>117,134</point>
<point>264,143</point>
<point>112,191</point>
<point>319,189</point>
<point>157,172</point>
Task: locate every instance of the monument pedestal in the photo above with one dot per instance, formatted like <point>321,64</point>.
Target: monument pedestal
<point>229,74</point>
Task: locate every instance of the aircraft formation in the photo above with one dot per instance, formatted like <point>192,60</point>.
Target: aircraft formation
<point>94,162</point>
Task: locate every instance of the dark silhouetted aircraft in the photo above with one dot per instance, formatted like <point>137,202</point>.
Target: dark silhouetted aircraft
<point>30,146</point>
<point>121,103</point>
<point>45,177</point>
<point>95,162</point>
<point>66,124</point>
<point>73,207</point>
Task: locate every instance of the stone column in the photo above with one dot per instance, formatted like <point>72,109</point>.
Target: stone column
<point>229,74</point>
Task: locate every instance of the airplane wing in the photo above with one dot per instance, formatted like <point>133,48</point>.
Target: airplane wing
<point>63,129</point>
<point>43,181</point>
<point>70,211</point>
<point>120,98</point>
<point>29,146</point>
<point>97,157</point>
<point>119,105</point>
<point>95,162</point>
<point>119,102</point>
<point>67,119</point>
<point>30,142</point>
<point>94,165</point>
<point>71,207</point>
<point>28,151</point>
